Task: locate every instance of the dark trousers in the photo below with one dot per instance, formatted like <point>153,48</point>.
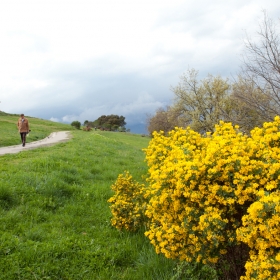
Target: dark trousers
<point>23,137</point>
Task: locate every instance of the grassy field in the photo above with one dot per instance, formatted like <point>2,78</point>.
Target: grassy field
<point>54,215</point>
<point>39,129</point>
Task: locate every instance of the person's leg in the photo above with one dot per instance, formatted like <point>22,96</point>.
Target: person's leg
<point>23,138</point>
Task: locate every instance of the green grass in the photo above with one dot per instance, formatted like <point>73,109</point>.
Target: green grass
<point>54,214</point>
<point>39,129</point>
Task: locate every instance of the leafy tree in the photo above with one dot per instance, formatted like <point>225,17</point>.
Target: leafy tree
<point>199,104</point>
<point>109,122</point>
<point>164,119</point>
<point>122,129</point>
<point>76,124</point>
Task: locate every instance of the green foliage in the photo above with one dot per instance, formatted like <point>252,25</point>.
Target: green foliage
<point>122,129</point>
<point>39,129</point>
<point>194,271</point>
<point>109,122</point>
<point>76,124</point>
<point>199,103</point>
<point>8,198</point>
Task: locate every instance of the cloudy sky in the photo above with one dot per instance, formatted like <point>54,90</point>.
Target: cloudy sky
<point>66,60</point>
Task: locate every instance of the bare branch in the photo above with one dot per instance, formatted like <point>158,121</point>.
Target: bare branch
<point>261,66</point>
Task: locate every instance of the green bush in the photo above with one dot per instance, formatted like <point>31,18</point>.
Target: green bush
<point>76,124</point>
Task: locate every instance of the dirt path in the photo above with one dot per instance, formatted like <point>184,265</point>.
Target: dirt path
<point>53,138</point>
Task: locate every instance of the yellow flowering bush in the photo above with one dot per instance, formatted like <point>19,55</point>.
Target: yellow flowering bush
<point>211,199</point>
<point>200,188</point>
<point>261,232</point>
<point>192,206</point>
<point>128,203</point>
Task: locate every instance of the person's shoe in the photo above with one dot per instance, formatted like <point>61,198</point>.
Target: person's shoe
<point>23,144</point>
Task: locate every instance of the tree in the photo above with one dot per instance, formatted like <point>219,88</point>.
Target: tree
<point>261,68</point>
<point>76,124</point>
<point>121,129</point>
<point>164,119</point>
<point>199,103</point>
<point>245,114</point>
<point>157,122</point>
<point>109,122</point>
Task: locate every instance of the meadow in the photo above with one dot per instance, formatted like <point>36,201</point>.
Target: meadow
<point>54,214</point>
<point>39,129</point>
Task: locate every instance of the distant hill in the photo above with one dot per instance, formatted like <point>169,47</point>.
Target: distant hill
<point>7,114</point>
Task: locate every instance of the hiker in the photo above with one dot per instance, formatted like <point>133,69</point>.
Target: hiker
<point>23,128</point>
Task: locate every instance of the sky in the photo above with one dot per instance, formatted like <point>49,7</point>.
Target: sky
<point>68,60</point>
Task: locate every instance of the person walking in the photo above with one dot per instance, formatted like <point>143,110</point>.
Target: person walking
<point>23,128</point>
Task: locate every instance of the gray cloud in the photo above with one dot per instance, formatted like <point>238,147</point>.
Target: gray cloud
<point>105,58</point>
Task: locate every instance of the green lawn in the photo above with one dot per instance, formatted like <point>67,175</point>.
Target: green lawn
<point>54,214</point>
<point>39,129</point>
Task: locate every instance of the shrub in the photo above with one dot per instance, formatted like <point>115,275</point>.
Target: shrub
<point>261,232</point>
<point>87,128</point>
<point>76,124</point>
<point>211,199</point>
<point>128,203</point>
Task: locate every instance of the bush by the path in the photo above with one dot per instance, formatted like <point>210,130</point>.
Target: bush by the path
<point>214,199</point>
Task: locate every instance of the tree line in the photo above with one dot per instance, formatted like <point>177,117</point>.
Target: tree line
<point>248,101</point>
<point>108,122</point>
<point>104,122</point>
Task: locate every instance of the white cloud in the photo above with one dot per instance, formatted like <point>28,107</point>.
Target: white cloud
<point>54,119</point>
<point>69,118</point>
<point>70,59</point>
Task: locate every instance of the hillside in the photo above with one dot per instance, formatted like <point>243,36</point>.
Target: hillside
<point>54,214</point>
<point>39,129</point>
